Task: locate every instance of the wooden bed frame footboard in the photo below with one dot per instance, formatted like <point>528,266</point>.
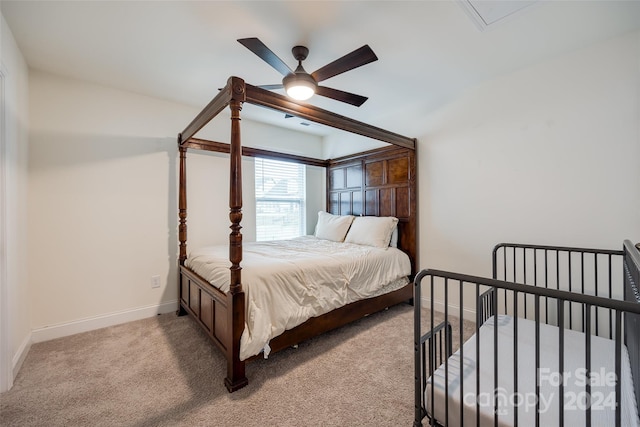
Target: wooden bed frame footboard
<point>379,182</point>
<point>210,308</point>
<point>550,303</point>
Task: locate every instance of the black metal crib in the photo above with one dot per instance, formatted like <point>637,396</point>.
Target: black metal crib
<point>552,338</point>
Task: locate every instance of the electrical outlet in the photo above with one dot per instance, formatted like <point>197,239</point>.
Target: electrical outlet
<point>155,281</point>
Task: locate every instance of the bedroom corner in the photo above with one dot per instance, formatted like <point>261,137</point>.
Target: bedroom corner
<point>15,335</point>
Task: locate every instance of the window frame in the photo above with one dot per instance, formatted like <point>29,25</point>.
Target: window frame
<point>300,201</point>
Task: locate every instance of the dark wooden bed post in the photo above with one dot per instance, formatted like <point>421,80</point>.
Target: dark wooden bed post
<point>182,202</point>
<point>182,215</point>
<point>236,377</point>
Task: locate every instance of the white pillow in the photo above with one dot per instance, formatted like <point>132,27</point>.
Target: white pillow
<point>394,237</point>
<point>372,231</point>
<point>332,227</point>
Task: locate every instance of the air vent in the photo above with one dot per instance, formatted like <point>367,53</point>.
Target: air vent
<point>487,13</point>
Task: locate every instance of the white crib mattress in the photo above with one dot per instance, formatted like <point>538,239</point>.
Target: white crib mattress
<point>575,402</point>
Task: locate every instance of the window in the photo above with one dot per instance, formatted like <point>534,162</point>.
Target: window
<point>280,199</point>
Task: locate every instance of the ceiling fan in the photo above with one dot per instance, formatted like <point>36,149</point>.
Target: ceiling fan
<point>301,85</point>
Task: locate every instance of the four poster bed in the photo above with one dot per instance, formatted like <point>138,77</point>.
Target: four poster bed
<point>377,183</point>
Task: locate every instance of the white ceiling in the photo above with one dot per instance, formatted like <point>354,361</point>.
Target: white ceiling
<point>429,51</point>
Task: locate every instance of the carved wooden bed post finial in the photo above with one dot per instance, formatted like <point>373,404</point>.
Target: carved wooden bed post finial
<point>236,377</point>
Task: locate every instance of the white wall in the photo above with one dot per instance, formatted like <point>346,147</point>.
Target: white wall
<point>316,195</point>
<point>103,200</point>
<point>546,155</point>
<point>342,144</point>
<point>14,304</point>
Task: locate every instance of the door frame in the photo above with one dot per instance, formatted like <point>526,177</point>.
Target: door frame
<point>6,365</point>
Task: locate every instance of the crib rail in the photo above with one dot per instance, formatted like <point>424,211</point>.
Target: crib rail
<point>438,344</point>
<point>580,270</point>
<point>567,306</point>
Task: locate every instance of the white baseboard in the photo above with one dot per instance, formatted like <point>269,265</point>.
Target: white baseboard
<point>454,310</point>
<point>21,354</point>
<point>103,321</point>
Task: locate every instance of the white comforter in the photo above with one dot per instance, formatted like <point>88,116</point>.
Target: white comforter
<point>289,281</point>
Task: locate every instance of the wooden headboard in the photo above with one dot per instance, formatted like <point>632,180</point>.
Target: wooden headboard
<point>379,182</point>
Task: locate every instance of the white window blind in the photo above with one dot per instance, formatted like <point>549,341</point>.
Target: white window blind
<point>280,199</point>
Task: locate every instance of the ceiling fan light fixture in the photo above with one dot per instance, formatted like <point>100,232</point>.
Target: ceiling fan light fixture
<point>300,92</point>
<point>300,86</point>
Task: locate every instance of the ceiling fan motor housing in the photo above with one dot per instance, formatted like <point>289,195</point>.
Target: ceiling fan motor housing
<point>300,77</point>
<point>300,53</point>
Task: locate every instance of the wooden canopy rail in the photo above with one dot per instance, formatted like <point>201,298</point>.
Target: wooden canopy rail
<point>236,89</point>
<point>222,315</point>
<point>221,147</point>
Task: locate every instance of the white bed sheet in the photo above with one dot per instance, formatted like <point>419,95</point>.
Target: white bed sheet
<point>602,380</point>
<point>287,282</point>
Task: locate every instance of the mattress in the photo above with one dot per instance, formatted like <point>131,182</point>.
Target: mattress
<point>287,282</point>
<point>602,379</point>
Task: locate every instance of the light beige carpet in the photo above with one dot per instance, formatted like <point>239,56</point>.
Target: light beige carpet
<point>164,372</point>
